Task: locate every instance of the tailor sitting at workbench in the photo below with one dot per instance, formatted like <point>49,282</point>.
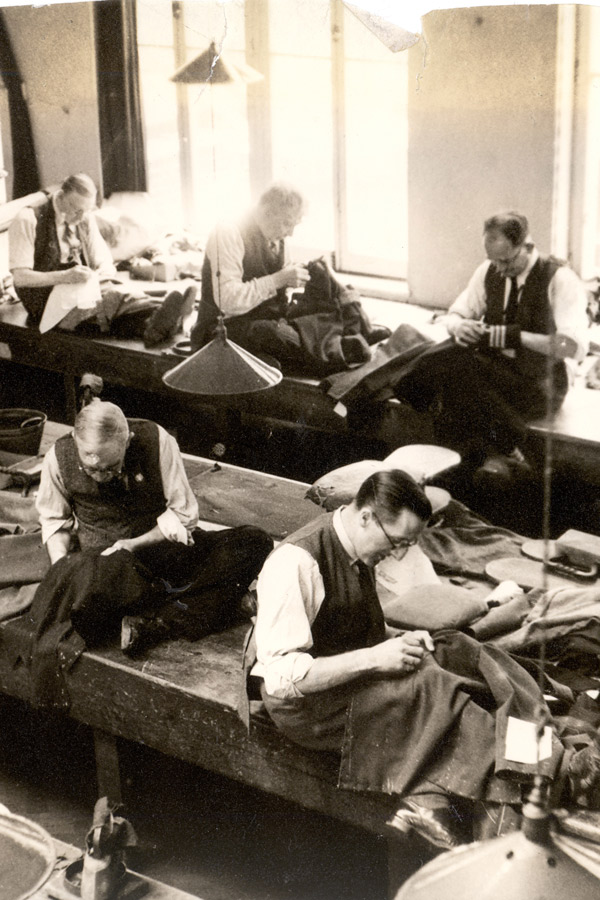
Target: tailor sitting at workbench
<point>115,484</point>
<point>59,245</point>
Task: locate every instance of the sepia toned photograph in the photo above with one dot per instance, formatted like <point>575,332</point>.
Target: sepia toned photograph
<point>299,450</point>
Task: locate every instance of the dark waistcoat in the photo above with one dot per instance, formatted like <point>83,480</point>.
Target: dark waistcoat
<point>124,507</point>
<point>46,258</point>
<point>350,616</point>
<point>534,312</point>
<point>259,260</point>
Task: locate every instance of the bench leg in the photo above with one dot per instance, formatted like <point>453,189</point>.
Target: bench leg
<point>108,776</point>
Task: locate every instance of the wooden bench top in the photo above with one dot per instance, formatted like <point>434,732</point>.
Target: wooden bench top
<point>575,430</point>
<point>298,401</point>
<point>181,698</point>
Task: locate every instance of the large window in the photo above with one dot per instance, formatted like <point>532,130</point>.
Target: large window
<point>330,114</point>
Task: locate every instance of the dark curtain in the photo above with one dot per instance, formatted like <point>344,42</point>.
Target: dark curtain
<point>26,178</point>
<point>119,103</point>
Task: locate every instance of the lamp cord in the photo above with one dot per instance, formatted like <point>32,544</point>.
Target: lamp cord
<point>543,717</point>
<point>214,164</point>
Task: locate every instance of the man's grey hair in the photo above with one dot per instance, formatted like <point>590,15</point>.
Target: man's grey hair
<point>101,422</point>
<point>513,225</point>
<point>280,197</point>
<point>79,184</point>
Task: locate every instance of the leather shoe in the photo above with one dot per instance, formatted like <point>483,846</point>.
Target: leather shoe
<point>435,825</point>
<point>166,321</point>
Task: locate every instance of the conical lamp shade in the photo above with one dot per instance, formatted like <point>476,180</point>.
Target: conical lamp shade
<point>222,368</point>
<point>211,66</point>
<point>511,867</point>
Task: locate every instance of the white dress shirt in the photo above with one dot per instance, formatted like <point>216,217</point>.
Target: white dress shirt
<point>566,294</point>
<point>21,242</point>
<point>290,593</point>
<point>225,250</point>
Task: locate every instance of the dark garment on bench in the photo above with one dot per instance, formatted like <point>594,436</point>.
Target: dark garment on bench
<point>443,727</point>
<point>323,330</point>
<point>194,589</point>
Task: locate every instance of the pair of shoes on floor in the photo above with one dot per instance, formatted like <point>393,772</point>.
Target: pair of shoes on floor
<point>166,321</point>
<point>139,633</point>
<point>435,825</point>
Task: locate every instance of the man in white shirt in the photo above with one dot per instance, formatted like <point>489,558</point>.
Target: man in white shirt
<point>245,272</point>
<point>400,706</point>
<point>118,484</point>
<point>516,328</point>
<point>57,243</point>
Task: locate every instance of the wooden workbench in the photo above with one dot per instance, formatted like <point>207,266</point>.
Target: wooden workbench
<point>299,402</point>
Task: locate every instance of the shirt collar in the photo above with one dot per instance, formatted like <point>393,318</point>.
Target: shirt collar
<point>338,527</point>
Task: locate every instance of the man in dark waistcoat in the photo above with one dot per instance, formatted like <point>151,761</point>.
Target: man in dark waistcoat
<point>118,484</point>
<point>245,272</point>
<point>59,243</point>
<point>516,328</point>
<point>418,716</point>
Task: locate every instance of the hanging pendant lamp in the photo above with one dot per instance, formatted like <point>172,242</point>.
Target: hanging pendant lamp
<point>221,368</point>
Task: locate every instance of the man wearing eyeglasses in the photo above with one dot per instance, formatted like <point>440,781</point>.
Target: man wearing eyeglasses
<point>516,328</point>
<point>398,705</point>
<point>58,242</point>
<point>117,484</point>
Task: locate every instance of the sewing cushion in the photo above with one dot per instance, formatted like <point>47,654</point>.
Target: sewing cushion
<point>340,487</point>
<point>434,606</point>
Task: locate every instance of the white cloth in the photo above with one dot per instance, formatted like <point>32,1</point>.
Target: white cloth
<point>225,249</point>
<point>566,294</point>
<point>21,242</point>
<point>176,522</point>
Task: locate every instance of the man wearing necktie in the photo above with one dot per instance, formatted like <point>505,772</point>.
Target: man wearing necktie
<point>515,328</point>
<point>57,243</point>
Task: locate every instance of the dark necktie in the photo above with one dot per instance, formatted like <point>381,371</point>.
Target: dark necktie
<point>366,578</point>
<point>510,313</point>
<point>74,245</point>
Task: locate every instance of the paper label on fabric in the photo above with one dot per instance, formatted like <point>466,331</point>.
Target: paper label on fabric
<point>5,351</point>
<point>340,410</point>
<point>522,742</point>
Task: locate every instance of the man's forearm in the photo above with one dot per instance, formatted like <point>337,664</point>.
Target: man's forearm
<point>31,278</point>
<point>559,346</point>
<point>331,671</point>
<point>394,656</point>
